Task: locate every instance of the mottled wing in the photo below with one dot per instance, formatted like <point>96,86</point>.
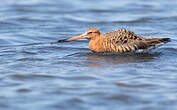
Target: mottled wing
<point>126,41</point>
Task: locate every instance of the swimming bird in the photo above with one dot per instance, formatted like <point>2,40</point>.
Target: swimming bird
<point>119,41</point>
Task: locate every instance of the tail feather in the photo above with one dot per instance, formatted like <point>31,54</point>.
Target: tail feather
<point>158,41</point>
<point>165,40</point>
<point>152,43</point>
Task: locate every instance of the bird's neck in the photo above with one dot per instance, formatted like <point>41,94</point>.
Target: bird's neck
<point>96,44</point>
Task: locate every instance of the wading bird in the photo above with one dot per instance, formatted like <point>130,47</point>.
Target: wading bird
<point>120,41</point>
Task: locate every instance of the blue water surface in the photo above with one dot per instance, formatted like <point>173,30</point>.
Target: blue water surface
<point>37,75</point>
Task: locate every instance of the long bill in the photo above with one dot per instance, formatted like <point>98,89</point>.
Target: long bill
<point>73,38</point>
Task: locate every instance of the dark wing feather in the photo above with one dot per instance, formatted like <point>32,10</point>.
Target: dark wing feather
<point>126,41</point>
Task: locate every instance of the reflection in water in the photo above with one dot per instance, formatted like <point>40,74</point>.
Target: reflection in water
<point>116,59</point>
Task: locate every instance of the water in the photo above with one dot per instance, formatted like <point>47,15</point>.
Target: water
<point>37,75</point>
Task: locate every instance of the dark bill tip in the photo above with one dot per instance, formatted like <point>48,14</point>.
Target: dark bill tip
<point>60,41</point>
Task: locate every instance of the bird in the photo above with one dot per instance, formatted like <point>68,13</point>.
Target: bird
<point>119,41</point>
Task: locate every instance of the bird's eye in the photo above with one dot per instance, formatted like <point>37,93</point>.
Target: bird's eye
<point>90,32</point>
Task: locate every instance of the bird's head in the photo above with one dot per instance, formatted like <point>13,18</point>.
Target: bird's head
<point>91,33</point>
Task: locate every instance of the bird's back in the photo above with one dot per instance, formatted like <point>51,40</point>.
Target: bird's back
<point>126,41</point>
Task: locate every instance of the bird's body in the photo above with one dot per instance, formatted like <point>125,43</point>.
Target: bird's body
<point>120,41</point>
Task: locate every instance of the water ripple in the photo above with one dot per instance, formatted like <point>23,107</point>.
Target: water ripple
<point>39,75</point>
